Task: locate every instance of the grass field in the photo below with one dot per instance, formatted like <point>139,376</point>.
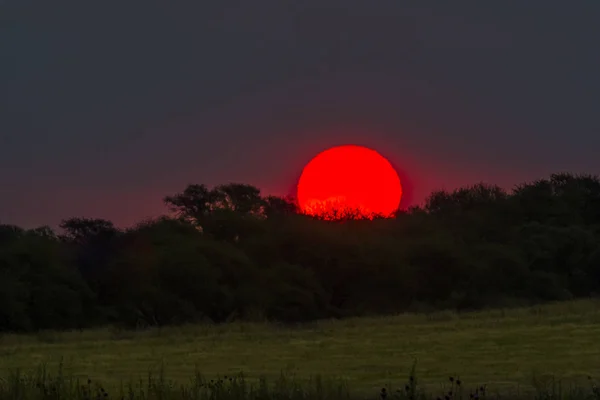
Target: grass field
<point>503,349</point>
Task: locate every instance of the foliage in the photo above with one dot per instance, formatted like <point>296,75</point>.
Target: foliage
<point>231,253</point>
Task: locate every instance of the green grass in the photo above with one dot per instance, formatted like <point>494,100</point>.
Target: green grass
<point>503,349</point>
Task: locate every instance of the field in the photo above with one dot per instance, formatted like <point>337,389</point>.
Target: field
<point>503,349</point>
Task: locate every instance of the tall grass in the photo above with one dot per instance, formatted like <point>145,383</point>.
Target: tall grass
<point>43,385</point>
<point>500,348</point>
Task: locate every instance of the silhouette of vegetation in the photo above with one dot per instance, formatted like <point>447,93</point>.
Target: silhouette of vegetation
<point>229,253</point>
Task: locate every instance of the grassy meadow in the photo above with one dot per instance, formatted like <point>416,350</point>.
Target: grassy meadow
<point>503,349</point>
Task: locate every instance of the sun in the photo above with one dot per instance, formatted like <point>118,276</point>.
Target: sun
<point>353,178</point>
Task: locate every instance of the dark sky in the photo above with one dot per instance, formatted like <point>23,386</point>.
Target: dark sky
<point>107,106</point>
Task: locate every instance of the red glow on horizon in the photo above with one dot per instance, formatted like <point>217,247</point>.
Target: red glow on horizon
<point>351,178</point>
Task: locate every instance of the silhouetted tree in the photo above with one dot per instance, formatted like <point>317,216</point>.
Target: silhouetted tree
<point>231,253</point>
<point>10,232</point>
<point>279,206</point>
<point>85,230</point>
<point>91,244</point>
<point>241,198</point>
<point>39,289</point>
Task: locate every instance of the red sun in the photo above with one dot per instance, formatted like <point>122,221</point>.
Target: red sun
<point>349,178</point>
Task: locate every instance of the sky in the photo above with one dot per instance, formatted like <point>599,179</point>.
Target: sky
<point>108,106</point>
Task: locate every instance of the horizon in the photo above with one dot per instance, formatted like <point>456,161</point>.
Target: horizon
<point>169,214</point>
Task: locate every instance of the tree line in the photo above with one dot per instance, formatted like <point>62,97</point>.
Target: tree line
<point>229,253</point>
